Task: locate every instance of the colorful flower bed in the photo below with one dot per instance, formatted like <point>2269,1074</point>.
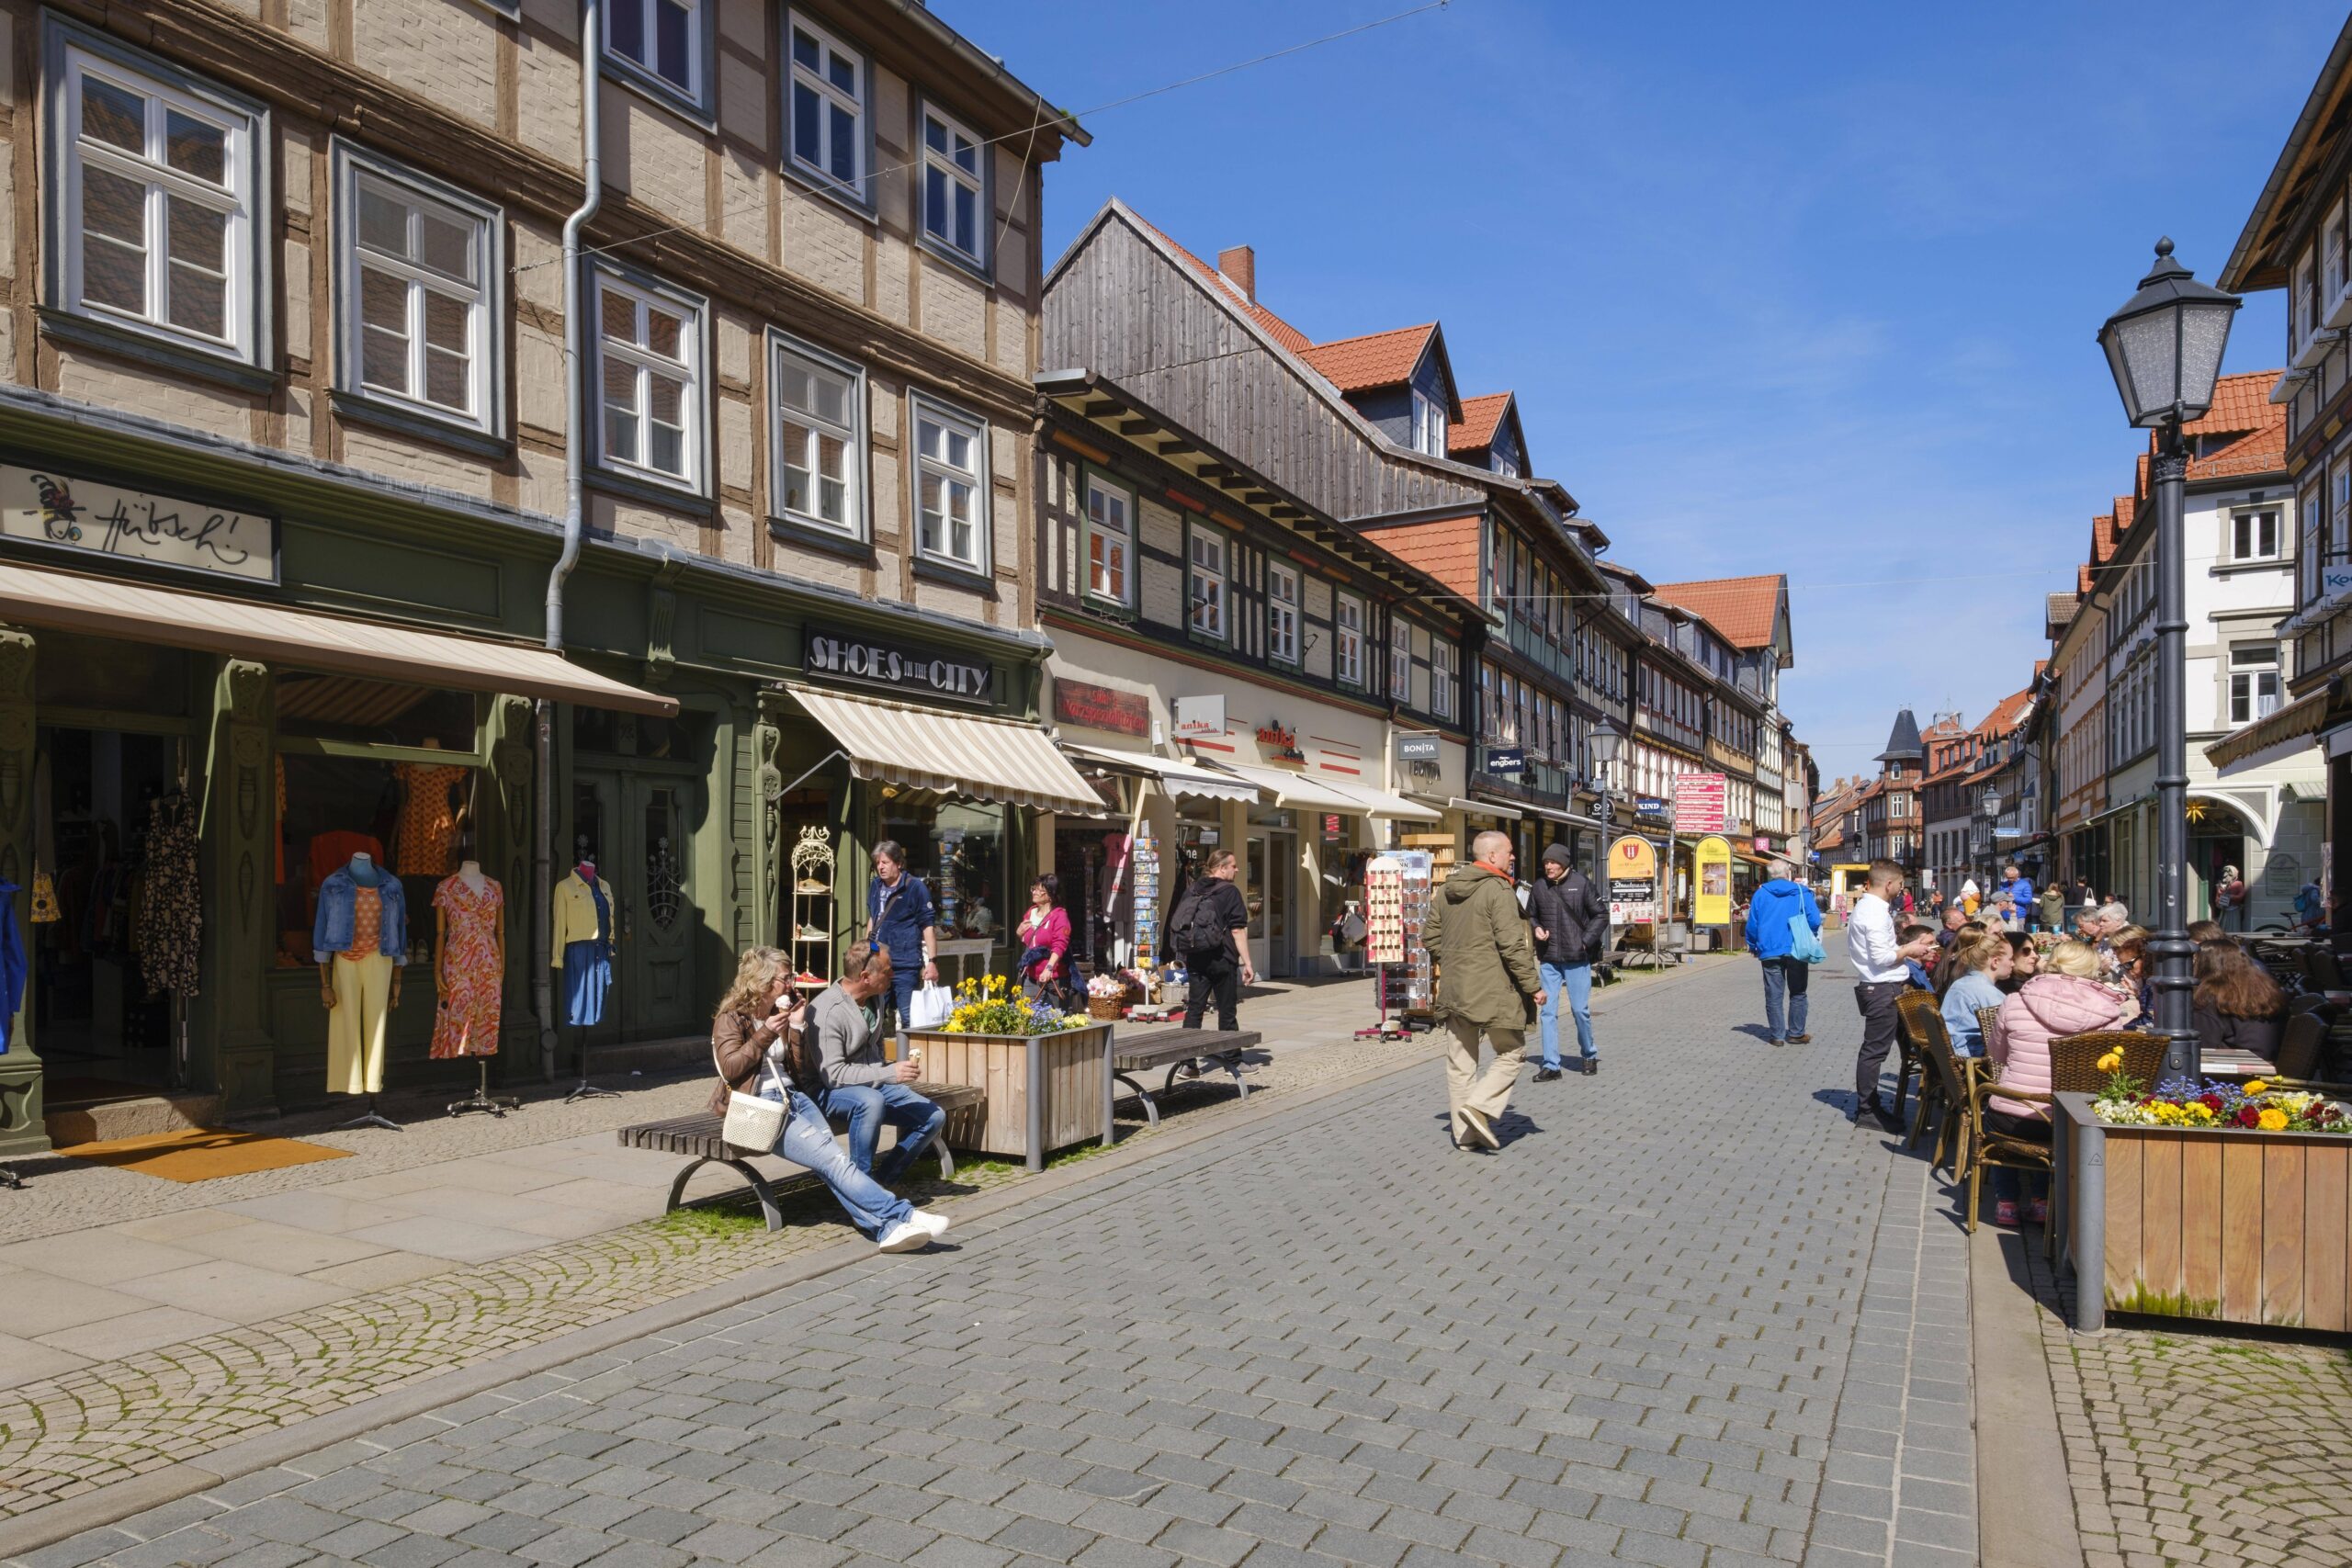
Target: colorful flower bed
<point>2253,1106</point>
<point>997,1006</point>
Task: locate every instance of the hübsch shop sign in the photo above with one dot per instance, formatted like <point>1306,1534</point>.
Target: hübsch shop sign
<point>912,671</point>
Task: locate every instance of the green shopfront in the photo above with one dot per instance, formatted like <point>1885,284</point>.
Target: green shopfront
<point>220,677</point>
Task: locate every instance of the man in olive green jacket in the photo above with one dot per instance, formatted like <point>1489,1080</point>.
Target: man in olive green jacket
<point>1487,984</point>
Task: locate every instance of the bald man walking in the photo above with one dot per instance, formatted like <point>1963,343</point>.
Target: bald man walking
<point>1487,984</point>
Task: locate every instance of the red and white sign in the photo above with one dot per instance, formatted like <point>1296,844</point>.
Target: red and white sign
<point>1699,803</point>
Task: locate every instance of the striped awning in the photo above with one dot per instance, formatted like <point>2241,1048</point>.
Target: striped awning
<point>977,756</point>
<point>2275,737</point>
<point>305,639</point>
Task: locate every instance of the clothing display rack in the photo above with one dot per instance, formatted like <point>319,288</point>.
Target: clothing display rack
<point>482,1099</point>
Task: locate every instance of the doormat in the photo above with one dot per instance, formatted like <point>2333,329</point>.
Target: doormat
<point>201,1154</point>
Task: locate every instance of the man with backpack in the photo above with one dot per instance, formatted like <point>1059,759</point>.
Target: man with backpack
<point>1780,910</point>
<point>1570,925</point>
<point>1211,930</point>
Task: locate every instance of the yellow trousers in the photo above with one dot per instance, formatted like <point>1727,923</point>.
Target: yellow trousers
<point>360,1025</point>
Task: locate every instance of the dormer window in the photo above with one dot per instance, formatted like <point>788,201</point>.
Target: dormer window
<point>1429,424</point>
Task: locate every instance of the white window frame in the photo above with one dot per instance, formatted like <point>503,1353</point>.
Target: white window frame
<point>797,76</point>
<point>974,180</point>
<point>1282,611</point>
<point>1429,424</point>
<point>1445,675</point>
<point>1400,658</point>
<point>1123,540</point>
<point>924,409</point>
<point>77,55</point>
<point>2246,683</point>
<point>2248,523</point>
<point>356,170</point>
<point>1346,640</point>
<point>857,521</point>
<point>694,92</point>
<point>1208,562</point>
<point>694,341</point>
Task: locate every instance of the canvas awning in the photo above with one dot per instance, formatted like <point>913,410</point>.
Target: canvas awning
<point>276,634</point>
<point>977,756</point>
<point>2275,737</point>
<point>1302,792</point>
<point>1177,777</point>
<point>1378,802</point>
<point>1481,807</point>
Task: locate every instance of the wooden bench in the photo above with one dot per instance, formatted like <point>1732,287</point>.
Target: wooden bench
<point>696,1137</point>
<point>1174,1048</point>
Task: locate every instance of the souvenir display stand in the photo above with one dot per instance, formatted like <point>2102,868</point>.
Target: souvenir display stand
<point>812,909</point>
<point>1396,906</point>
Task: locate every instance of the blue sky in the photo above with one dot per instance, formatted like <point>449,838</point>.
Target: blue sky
<point>1806,289</point>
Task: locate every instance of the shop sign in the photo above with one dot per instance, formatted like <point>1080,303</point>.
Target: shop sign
<point>1199,718</point>
<point>51,508</point>
<point>1699,803</point>
<point>1506,759</point>
<point>1649,806</point>
<point>1281,743</point>
<point>1633,857</point>
<point>899,667</point>
<point>1713,905</point>
<point>1331,824</point>
<point>1417,748</point>
<point>1633,900</point>
<point>1763,846</point>
<point>1100,708</point>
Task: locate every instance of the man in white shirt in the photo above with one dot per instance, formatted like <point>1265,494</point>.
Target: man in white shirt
<point>1879,956</point>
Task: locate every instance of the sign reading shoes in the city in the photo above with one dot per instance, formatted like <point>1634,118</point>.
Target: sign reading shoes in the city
<point>50,507</point>
<point>917,671</point>
<point>1699,803</point>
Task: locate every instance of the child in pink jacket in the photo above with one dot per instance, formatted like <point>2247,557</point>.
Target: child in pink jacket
<point>2065,999</point>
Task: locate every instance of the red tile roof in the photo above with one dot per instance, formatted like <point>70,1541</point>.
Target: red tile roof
<point>1742,609</point>
<point>1481,417</point>
<point>2240,402</point>
<point>2258,452</point>
<point>2005,714</point>
<point>2126,507</point>
<point>1377,359</point>
<point>1447,550</point>
<point>1281,332</point>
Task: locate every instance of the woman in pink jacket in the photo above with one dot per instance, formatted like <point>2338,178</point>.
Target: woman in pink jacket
<point>2065,998</point>
<point>1043,936</point>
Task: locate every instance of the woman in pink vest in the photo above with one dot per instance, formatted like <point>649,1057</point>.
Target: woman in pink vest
<point>2065,998</point>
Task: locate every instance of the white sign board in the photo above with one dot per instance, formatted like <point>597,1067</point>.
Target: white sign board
<point>1200,718</point>
<point>50,507</point>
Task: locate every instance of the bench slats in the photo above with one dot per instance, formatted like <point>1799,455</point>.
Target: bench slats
<point>1158,1047</point>
<point>697,1135</point>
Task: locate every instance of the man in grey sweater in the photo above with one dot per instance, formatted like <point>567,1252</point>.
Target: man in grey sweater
<point>852,1079</point>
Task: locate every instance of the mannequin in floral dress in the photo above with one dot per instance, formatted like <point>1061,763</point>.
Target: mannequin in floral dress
<point>468,972</point>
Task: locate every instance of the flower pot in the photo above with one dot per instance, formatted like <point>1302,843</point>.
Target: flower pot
<point>1045,1091</point>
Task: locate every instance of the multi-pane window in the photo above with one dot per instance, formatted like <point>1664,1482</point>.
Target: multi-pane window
<point>1444,675</point>
<point>1204,582</point>
<point>2254,535</point>
<point>820,437</point>
<point>2254,680</point>
<point>662,38</point>
<point>828,107</point>
<point>1110,541</point>
<point>1400,658</point>
<point>954,195</point>
<point>1429,424</point>
<point>951,486</point>
<point>156,217</point>
<point>419,271</point>
<point>1282,614</point>
<point>1347,622</point>
<point>649,386</point>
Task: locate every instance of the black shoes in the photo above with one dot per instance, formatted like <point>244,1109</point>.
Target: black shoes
<point>1547,1075</point>
<point>1877,1109</point>
<point>1592,1066</point>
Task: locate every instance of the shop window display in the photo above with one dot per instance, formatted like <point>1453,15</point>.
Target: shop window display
<point>957,848</point>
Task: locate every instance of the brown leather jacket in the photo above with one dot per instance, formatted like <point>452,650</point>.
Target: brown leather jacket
<point>739,1048</point>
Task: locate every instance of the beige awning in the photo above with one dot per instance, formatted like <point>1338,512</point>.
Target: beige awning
<point>1176,777</point>
<point>2288,732</point>
<point>1378,802</point>
<point>1300,792</point>
<point>1480,808</point>
<point>277,634</point>
<point>975,755</point>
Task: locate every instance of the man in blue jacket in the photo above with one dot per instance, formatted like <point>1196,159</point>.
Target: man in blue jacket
<point>1772,939</point>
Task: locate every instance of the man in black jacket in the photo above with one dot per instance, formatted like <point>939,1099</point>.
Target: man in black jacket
<point>1570,923</point>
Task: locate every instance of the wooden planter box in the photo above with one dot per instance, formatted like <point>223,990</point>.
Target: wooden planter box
<point>2226,1225</point>
<point>1045,1091</point>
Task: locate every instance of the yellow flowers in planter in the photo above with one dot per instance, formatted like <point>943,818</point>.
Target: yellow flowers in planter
<point>2271,1120</point>
<point>995,1006</point>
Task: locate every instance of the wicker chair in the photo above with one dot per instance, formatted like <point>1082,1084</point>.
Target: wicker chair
<point>1945,1086</point>
<point>2073,1059</point>
<point>2303,1048</point>
<point>1910,1050</point>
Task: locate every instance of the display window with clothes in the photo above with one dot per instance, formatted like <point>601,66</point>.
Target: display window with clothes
<point>957,847</point>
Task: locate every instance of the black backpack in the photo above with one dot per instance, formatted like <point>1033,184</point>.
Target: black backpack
<point>1194,927</point>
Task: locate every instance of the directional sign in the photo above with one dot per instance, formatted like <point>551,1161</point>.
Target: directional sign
<point>1699,803</point>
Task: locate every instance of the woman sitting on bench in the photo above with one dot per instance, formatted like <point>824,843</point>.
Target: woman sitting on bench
<point>756,1039</point>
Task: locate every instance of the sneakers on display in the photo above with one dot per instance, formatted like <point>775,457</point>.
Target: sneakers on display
<point>811,933</point>
<point>904,1236</point>
<point>811,885</point>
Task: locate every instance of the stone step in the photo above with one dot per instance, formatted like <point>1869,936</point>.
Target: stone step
<point>101,1121</point>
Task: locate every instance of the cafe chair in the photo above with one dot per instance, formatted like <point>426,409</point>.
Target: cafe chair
<point>2302,1048</point>
<point>1910,1008</point>
<point>2326,974</point>
<point>2073,1059</point>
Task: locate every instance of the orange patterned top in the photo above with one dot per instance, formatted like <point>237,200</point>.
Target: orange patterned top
<point>366,923</point>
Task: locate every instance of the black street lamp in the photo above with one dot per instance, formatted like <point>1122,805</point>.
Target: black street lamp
<point>2164,349</point>
<point>1601,743</point>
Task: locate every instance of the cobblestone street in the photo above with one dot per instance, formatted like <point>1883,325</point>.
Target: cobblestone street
<point>1710,1327</point>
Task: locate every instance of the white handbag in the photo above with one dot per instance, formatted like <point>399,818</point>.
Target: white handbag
<point>929,1006</point>
<point>752,1125</point>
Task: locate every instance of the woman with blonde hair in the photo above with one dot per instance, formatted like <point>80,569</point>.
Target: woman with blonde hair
<point>754,1042</point>
<point>2065,998</point>
<point>1979,961</point>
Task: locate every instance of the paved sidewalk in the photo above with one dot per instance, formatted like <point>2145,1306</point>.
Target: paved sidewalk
<point>1689,1315</point>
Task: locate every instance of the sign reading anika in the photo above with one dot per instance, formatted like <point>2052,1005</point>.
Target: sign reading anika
<point>1100,708</point>
<point>901,668</point>
<point>1200,718</point>
<point>52,508</point>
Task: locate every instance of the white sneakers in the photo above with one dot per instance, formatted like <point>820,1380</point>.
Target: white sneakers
<point>914,1233</point>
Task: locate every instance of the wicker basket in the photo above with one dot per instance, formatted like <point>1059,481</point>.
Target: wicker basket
<point>1108,1008</point>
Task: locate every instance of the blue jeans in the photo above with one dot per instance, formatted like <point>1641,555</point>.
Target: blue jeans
<point>1784,999</point>
<point>904,978</point>
<point>806,1141</point>
<point>1574,980</point>
<point>868,1108</point>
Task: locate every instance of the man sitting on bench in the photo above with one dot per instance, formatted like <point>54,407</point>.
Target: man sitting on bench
<point>856,1082</point>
